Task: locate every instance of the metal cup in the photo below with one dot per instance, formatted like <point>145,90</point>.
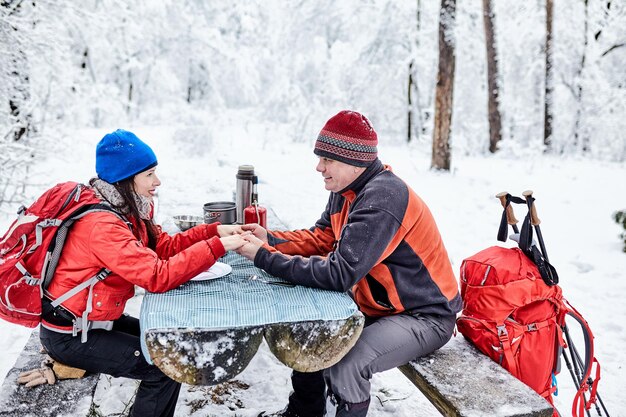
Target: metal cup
<point>224,212</point>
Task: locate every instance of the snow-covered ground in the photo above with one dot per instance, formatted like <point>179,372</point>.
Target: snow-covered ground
<point>575,199</point>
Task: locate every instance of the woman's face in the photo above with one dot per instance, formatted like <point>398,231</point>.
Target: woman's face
<point>145,183</point>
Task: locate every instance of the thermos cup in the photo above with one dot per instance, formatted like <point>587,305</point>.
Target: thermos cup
<point>243,190</point>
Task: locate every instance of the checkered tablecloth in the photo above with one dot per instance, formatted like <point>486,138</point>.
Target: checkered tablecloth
<point>235,301</point>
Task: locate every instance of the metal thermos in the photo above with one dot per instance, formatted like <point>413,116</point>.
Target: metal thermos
<point>243,190</point>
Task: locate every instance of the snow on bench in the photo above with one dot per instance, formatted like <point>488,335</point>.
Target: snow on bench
<point>462,382</point>
<point>69,397</point>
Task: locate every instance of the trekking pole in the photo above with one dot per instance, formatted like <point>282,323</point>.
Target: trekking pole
<point>589,380</point>
<point>576,359</point>
<point>570,367</point>
<point>534,220</point>
<point>540,257</point>
<point>505,200</point>
<point>577,375</point>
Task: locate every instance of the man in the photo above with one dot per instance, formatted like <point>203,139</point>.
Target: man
<point>378,241</point>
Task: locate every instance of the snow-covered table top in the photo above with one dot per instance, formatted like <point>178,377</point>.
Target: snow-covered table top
<point>234,301</point>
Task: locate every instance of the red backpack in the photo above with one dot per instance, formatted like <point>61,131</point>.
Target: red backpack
<point>31,248</point>
<point>514,312</point>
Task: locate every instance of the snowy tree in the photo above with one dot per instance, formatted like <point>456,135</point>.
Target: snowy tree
<point>66,65</point>
<point>15,68</point>
<point>16,104</point>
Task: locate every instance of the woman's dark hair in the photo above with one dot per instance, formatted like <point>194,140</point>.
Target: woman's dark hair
<point>127,191</point>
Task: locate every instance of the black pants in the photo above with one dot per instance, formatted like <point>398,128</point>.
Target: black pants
<point>117,353</point>
<point>308,398</point>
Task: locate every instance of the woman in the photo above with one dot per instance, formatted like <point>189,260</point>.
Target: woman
<point>137,253</point>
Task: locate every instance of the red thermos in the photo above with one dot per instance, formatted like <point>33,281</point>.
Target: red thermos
<point>255,213</point>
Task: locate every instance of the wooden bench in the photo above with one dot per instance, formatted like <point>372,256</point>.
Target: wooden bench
<point>462,382</point>
<point>70,397</point>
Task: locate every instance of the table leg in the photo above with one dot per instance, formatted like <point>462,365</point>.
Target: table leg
<point>203,357</point>
<point>310,346</point>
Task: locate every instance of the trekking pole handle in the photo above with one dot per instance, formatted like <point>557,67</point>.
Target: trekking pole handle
<point>534,219</point>
<point>510,216</point>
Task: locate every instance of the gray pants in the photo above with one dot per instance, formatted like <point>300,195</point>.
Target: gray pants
<point>386,343</point>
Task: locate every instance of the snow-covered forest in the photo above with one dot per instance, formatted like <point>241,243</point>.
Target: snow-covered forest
<point>213,84</point>
<point>66,64</point>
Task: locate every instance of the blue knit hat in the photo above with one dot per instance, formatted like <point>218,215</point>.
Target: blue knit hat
<point>121,155</point>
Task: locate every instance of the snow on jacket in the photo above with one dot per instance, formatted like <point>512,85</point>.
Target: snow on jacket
<point>102,240</point>
<point>376,239</point>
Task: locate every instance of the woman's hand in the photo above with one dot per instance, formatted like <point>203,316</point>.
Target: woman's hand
<point>233,242</point>
<point>257,230</point>
<point>229,230</point>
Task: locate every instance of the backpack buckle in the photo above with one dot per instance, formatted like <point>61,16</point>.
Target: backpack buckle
<point>502,333</point>
<point>100,276</point>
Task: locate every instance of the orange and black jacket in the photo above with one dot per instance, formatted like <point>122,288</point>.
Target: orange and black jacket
<point>376,239</point>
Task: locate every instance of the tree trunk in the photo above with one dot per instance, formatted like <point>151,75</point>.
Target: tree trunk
<point>130,91</point>
<point>409,104</point>
<point>578,141</point>
<point>445,87</point>
<point>419,15</point>
<point>549,87</point>
<point>415,116</point>
<point>495,123</point>
<point>415,119</point>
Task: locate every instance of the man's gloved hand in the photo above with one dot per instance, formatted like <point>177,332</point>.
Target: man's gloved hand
<point>36,377</point>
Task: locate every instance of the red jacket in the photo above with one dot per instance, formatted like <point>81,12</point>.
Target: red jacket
<point>101,240</point>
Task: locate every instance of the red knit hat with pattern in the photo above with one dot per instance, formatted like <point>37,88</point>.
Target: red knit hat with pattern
<point>348,137</point>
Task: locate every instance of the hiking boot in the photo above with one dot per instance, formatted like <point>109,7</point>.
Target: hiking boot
<point>283,413</point>
<point>286,412</point>
<point>345,409</point>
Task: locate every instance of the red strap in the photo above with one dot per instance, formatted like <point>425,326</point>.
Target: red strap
<point>538,325</point>
<point>580,404</point>
<point>503,335</point>
<point>594,384</point>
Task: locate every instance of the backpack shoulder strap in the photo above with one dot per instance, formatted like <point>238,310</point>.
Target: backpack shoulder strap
<point>586,381</point>
<point>101,275</point>
<point>54,251</point>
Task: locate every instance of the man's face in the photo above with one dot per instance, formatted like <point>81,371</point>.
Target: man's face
<point>337,175</point>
